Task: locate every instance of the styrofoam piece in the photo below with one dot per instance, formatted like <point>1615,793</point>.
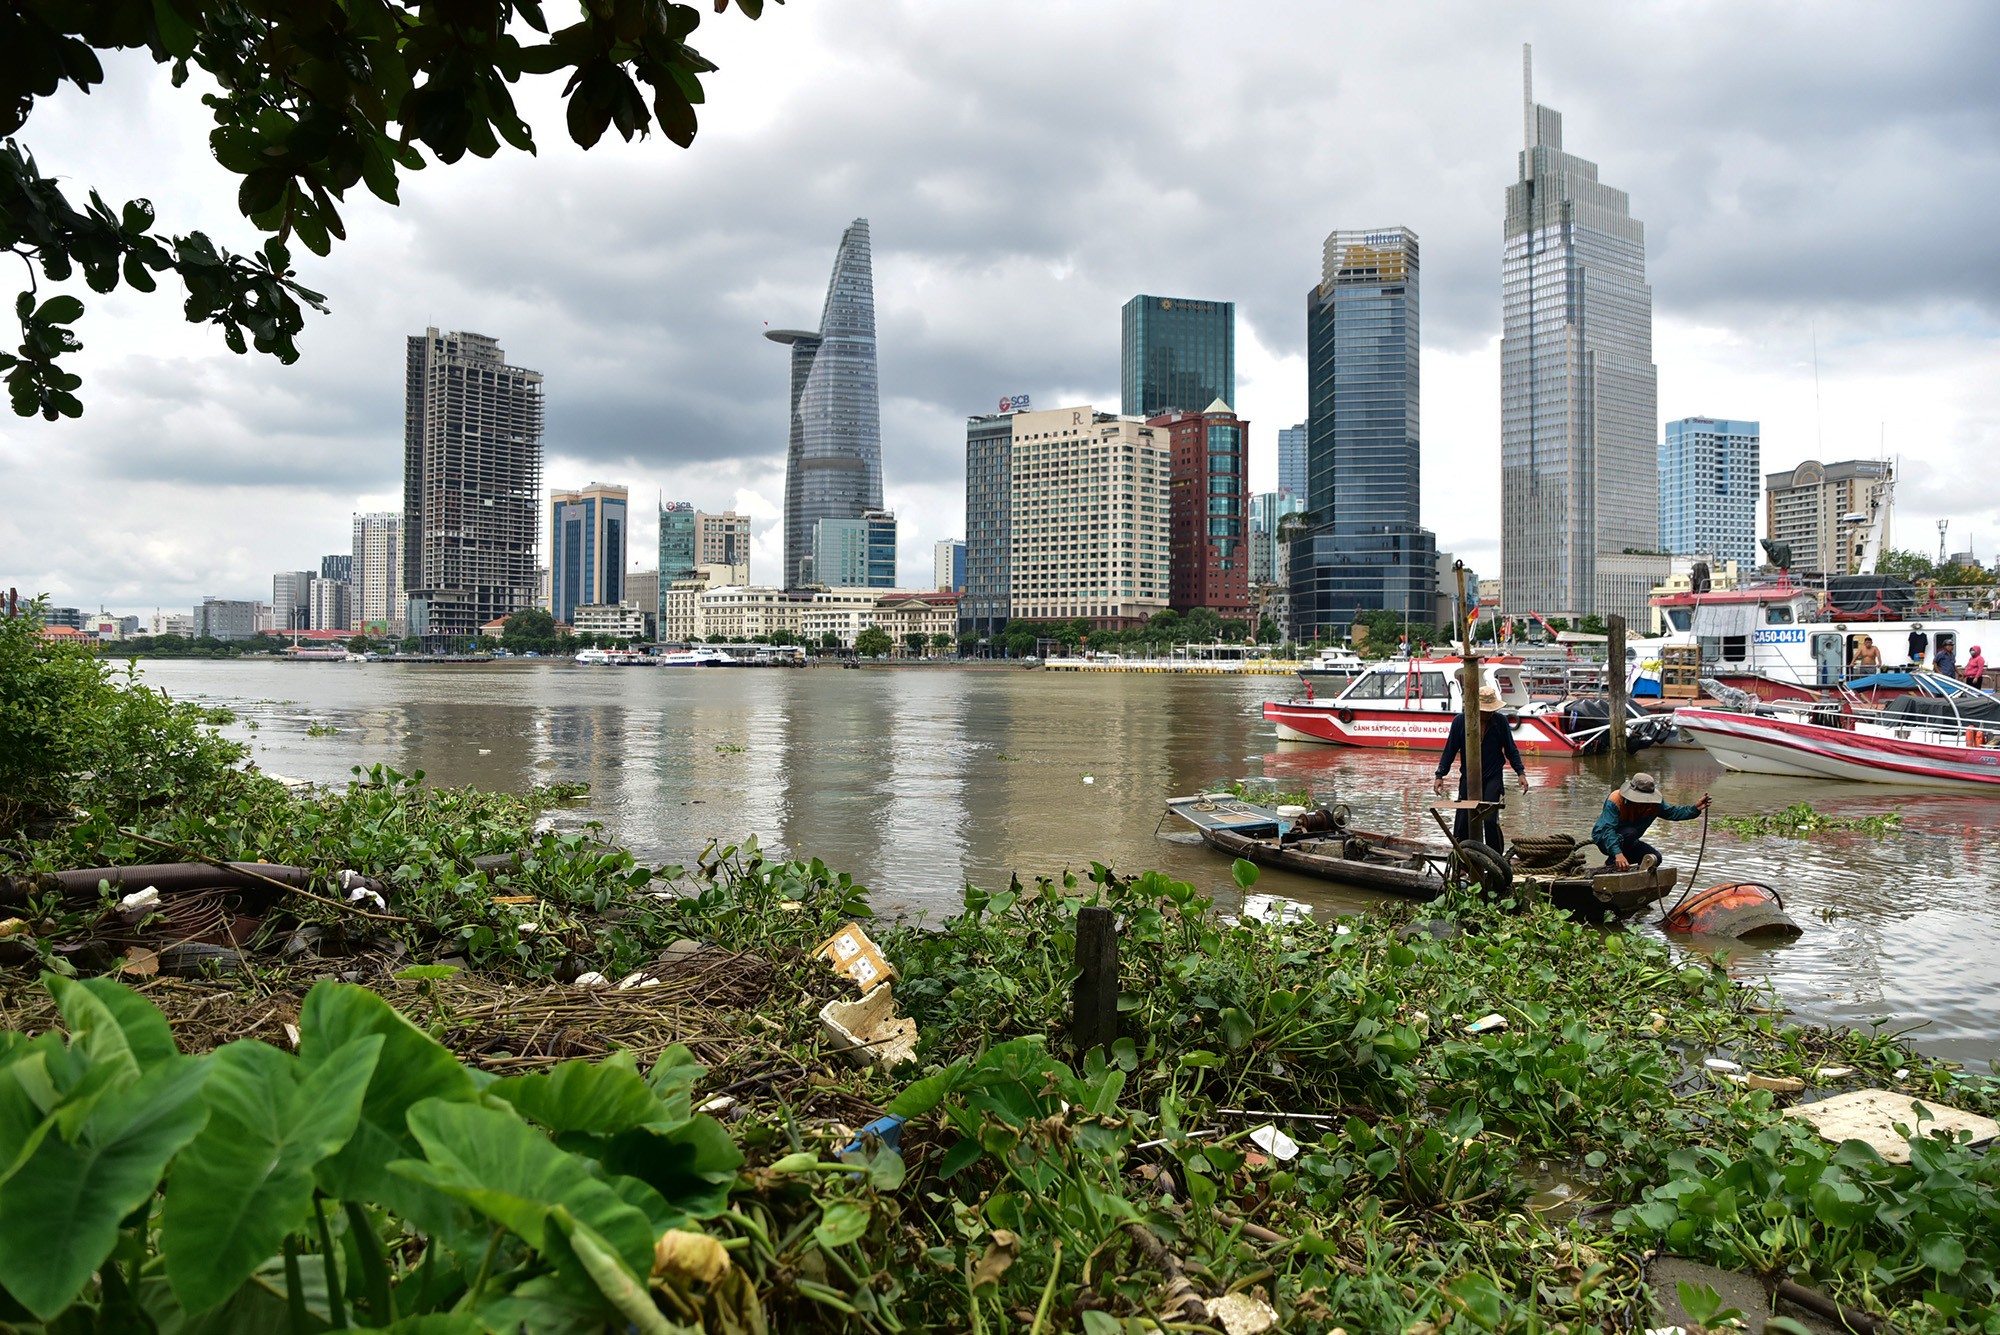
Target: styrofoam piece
<point>592,979</point>
<point>868,1032</point>
<point>1722,1064</point>
<point>1870,1116</point>
<point>1274,1143</point>
<point>138,904</point>
<point>849,951</point>
<point>1242,1314</point>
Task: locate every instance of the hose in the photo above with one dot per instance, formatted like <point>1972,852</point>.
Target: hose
<point>1693,876</point>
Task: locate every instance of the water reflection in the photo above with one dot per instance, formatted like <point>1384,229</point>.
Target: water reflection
<point>918,781</point>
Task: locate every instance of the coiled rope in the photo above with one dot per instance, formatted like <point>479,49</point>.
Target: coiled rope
<point>1548,854</point>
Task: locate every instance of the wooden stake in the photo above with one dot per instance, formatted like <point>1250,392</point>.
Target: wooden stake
<point>1614,675</point>
<point>1475,754</point>
<point>1094,998</point>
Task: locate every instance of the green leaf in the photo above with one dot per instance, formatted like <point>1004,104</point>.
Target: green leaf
<point>598,1097</point>
<point>411,1068</point>
<point>417,973</point>
<point>842,1223</point>
<point>247,1179</point>
<point>1244,873</point>
<point>62,309</point>
<point>1236,1029</point>
<point>612,1276</point>
<point>1101,1323</point>
<point>505,1169</point>
<point>144,1030</point>
<point>1943,1253</point>
<point>60,1209</point>
<point>959,1157</point>
<point>920,1096</point>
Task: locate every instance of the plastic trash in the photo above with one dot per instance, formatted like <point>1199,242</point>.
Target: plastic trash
<point>592,979</point>
<point>1487,1024</point>
<point>1722,1064</point>
<point>138,904</point>
<point>868,1032</point>
<point>1274,1143</point>
<point>850,951</point>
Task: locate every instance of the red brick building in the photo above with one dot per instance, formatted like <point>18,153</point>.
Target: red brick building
<point>1208,509</point>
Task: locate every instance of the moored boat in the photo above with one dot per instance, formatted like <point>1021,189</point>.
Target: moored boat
<point>698,656</point>
<point>1391,864</point>
<point>1409,704</point>
<point>1944,733</point>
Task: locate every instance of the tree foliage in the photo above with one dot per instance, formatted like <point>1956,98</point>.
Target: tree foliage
<point>1918,568</point>
<point>873,642</point>
<point>310,100</point>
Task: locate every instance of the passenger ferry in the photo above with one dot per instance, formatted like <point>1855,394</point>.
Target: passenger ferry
<point>1408,704</point>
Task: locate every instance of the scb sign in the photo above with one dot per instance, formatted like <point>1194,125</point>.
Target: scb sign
<point>1014,403</point>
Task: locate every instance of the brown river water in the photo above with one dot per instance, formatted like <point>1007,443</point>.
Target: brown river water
<point>919,780</point>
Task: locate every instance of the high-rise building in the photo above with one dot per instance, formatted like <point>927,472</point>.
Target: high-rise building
<point>989,500</point>
<point>642,590</point>
<point>1824,510</point>
<point>1208,503</point>
<point>857,553</point>
<point>472,484</point>
<point>1366,549</point>
<point>291,600</point>
<point>1176,354</point>
<point>332,605</point>
<point>1292,461</point>
<point>377,566</point>
<point>948,565</point>
<point>833,464</point>
<point>1270,560</point>
<point>1709,477</point>
<point>722,540</point>
<point>587,548</point>
<point>1087,534</point>
<point>1579,476</point>
<point>338,566</point>
<point>225,619</point>
<point>677,545</point>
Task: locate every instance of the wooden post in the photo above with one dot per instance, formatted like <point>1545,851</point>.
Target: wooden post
<point>1475,755</point>
<point>1614,680</point>
<point>1094,997</point>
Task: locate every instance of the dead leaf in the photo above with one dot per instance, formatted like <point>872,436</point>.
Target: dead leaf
<point>683,1256</point>
<point>997,1260</point>
<point>140,963</point>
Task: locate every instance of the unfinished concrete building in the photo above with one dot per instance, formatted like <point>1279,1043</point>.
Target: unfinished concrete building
<point>472,482</point>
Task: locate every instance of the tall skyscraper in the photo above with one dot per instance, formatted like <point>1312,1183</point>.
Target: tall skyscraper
<point>833,464</point>
<point>1176,353</point>
<point>472,484</point>
<point>948,565</point>
<point>332,604</point>
<point>722,540</point>
<point>377,566</point>
<point>338,566</point>
<point>1270,562</point>
<point>1208,500</point>
<point>1292,461</point>
<point>989,522</point>
<point>1086,535</point>
<point>1709,475</point>
<point>1579,476</point>
<point>855,553</point>
<point>1808,507</point>
<point>587,548</point>
<point>1366,549</point>
<point>291,599</point>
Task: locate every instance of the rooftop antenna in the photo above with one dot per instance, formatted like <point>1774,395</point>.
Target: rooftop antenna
<point>1943,524</point>
<point>1527,95</point>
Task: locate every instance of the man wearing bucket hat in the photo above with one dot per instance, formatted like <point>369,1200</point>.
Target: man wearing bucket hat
<point>1496,743</point>
<point>1628,813</point>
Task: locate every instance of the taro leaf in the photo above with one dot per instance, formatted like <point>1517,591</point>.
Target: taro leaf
<point>1244,873</point>
<point>505,1169</point>
<point>959,1157</point>
<point>920,1096</point>
<point>614,1279</point>
<point>434,1323</point>
<point>1479,1298</point>
<point>104,1018</point>
<point>61,1207</point>
<point>247,1179</point>
<point>1943,1253</point>
<point>597,1097</point>
<point>546,1306</point>
<point>692,1166</point>
<point>411,1068</point>
<point>842,1223</point>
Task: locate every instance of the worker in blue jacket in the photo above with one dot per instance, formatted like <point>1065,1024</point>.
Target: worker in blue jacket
<point>1628,813</point>
<point>1497,752</point>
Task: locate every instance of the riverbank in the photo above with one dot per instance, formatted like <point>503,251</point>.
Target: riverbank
<point>1488,1123</point>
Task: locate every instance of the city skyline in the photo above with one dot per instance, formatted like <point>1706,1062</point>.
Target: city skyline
<point>1750,215</point>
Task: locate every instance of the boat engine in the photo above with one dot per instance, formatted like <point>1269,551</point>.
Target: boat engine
<point>1742,910</point>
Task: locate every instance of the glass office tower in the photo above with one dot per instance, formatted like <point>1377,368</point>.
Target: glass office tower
<point>1292,461</point>
<point>1177,353</point>
<point>1364,548</point>
<point>1579,473</point>
<point>1710,473</point>
<point>833,465</point>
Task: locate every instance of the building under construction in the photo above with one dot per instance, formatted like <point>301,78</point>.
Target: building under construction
<point>472,481</point>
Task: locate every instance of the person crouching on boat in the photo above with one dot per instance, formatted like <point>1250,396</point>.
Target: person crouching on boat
<point>1628,813</point>
<point>1498,752</point>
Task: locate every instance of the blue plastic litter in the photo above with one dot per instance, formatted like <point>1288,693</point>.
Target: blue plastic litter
<point>888,1130</point>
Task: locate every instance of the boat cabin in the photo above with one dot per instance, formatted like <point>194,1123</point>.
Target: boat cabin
<point>1433,684</point>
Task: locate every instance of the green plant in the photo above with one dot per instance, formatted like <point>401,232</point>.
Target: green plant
<point>1802,819</point>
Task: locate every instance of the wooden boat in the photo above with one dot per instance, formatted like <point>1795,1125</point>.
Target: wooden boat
<point>1393,865</point>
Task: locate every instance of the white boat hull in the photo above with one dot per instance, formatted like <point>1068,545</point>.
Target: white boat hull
<point>1756,744</point>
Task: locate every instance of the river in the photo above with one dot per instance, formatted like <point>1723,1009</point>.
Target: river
<point>920,780</point>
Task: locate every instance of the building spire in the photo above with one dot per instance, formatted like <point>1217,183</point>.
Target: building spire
<point>1527,95</point>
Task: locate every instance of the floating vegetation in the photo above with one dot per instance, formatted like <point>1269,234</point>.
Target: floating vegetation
<point>1265,792</point>
<point>1802,819</point>
<point>729,749</point>
<point>549,794</point>
<point>321,728</point>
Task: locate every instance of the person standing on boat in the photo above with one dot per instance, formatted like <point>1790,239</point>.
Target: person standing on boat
<point>1944,662</point>
<point>1496,744</point>
<point>1628,813</point>
<point>1975,668</point>
<point>1869,655</point>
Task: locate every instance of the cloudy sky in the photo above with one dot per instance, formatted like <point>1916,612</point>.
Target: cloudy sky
<point>1821,173</point>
